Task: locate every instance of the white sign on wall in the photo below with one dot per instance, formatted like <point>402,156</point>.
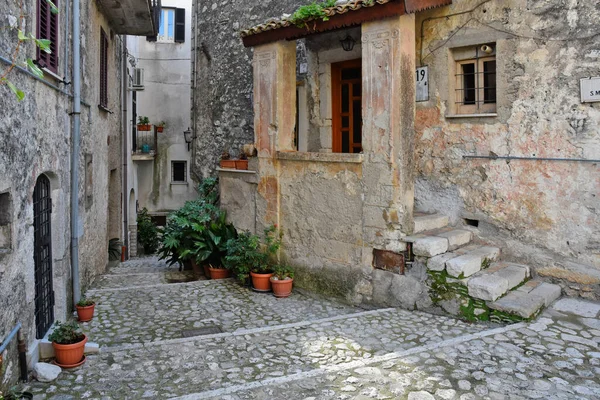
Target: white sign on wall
<point>590,89</point>
<point>423,84</point>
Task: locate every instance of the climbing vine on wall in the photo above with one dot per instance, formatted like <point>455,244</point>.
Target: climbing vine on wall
<point>23,38</point>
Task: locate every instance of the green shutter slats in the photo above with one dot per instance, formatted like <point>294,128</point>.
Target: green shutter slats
<point>179,25</point>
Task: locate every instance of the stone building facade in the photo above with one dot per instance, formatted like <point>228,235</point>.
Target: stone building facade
<point>35,168</point>
<point>514,159</point>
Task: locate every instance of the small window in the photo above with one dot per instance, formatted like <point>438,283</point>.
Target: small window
<point>179,171</point>
<point>166,31</point>
<point>475,86</point>
<point>47,28</point>
<point>103,69</point>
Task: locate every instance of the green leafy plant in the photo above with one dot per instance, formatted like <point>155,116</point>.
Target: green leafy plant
<point>13,394</point>
<point>147,232</point>
<point>143,120</point>
<point>210,241</point>
<point>225,155</point>
<point>66,333</point>
<point>85,302</point>
<point>283,272</point>
<point>248,254</point>
<point>311,12</point>
<point>162,124</point>
<point>114,249</point>
<point>29,64</point>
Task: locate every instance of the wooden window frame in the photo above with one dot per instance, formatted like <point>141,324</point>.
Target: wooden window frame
<point>479,107</point>
<point>336,105</point>
<point>103,69</point>
<point>47,28</point>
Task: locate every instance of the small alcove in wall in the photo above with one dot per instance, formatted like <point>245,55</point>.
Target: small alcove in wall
<point>6,213</point>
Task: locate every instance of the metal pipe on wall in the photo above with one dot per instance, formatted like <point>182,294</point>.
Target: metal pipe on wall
<point>75,154</point>
<point>532,158</point>
<point>124,133</point>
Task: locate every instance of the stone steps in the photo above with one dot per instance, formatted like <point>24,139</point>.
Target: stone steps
<point>428,222</point>
<point>493,283</point>
<point>528,300</point>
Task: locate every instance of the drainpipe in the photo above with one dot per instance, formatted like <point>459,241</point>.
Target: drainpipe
<point>124,142</point>
<point>75,154</point>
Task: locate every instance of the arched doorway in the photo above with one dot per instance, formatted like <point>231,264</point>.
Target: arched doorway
<point>42,254</point>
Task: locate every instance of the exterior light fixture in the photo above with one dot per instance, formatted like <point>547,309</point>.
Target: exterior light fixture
<point>189,138</point>
<point>348,43</point>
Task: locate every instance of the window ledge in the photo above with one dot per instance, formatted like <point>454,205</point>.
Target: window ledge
<point>321,157</point>
<point>486,115</point>
<point>53,75</point>
<point>105,109</point>
<point>236,171</point>
<point>180,183</point>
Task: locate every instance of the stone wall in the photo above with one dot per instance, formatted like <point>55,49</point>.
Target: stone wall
<point>36,140</point>
<point>544,213</point>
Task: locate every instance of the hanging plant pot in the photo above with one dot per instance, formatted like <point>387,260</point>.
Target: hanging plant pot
<point>227,164</point>
<point>261,282</point>
<point>219,273</point>
<point>144,127</point>
<point>85,314</point>
<point>160,129</point>
<point>70,355</point>
<point>282,287</point>
<point>241,164</point>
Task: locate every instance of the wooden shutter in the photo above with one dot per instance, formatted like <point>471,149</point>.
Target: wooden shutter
<point>179,25</point>
<point>47,24</point>
<point>103,68</point>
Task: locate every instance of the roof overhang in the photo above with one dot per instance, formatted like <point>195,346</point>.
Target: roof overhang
<point>352,13</point>
<point>131,17</point>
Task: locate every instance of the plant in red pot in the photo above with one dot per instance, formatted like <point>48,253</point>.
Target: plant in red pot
<point>226,161</point>
<point>282,280</point>
<point>85,309</point>
<point>69,343</point>
<point>242,163</point>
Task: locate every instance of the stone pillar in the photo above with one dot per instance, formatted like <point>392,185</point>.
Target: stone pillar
<point>274,120</point>
<point>388,52</point>
<point>133,243</point>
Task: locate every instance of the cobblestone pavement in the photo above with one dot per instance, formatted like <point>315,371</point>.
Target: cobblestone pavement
<point>308,348</point>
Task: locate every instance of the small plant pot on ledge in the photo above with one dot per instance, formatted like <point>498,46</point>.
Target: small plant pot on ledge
<point>144,128</point>
<point>261,282</point>
<point>85,314</point>
<point>160,129</point>
<point>219,273</point>
<point>282,287</point>
<point>241,164</point>
<point>227,164</point>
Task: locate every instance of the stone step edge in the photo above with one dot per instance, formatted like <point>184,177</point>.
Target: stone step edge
<point>249,331</point>
<point>328,369</point>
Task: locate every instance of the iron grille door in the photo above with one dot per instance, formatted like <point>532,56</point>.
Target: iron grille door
<point>44,294</point>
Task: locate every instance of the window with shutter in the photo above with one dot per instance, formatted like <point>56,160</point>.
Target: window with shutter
<point>103,69</point>
<point>179,25</point>
<point>47,28</point>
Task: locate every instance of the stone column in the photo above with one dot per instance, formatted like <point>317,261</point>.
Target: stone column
<point>133,243</point>
<point>388,53</point>
<point>274,120</point>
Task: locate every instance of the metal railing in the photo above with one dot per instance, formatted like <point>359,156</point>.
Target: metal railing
<point>16,331</point>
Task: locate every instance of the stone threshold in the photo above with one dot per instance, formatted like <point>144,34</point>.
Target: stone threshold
<point>219,393</point>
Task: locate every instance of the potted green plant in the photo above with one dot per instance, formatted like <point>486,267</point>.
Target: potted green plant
<point>69,343</point>
<point>282,280</point>
<point>85,309</point>
<point>161,126</point>
<point>147,233</point>
<point>15,394</point>
<point>210,245</point>
<point>143,123</point>
<point>242,163</point>
<point>226,161</point>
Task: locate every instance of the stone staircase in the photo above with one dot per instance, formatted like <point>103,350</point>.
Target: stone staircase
<point>468,279</point>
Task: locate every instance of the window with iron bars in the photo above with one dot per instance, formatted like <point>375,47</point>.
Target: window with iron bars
<point>475,86</point>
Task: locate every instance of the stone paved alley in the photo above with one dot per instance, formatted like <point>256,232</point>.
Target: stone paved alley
<point>254,346</point>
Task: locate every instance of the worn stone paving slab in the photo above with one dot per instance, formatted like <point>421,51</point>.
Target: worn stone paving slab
<point>123,280</point>
<point>143,265</point>
<point>162,371</point>
<point>160,312</point>
<point>548,359</point>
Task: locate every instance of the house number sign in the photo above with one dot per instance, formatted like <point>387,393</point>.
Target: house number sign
<point>590,89</point>
<point>423,84</point>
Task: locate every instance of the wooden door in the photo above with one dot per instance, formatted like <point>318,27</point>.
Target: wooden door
<point>346,102</point>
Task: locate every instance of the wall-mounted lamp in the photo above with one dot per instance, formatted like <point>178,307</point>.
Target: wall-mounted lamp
<point>348,43</point>
<point>189,138</point>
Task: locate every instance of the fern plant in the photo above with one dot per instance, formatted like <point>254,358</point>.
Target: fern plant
<point>311,12</point>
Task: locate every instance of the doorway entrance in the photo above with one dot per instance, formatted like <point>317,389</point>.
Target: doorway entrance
<point>346,102</point>
<point>44,293</point>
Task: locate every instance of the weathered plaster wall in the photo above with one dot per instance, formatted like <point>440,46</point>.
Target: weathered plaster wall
<point>36,140</point>
<point>224,96</point>
<point>166,97</point>
<point>542,212</point>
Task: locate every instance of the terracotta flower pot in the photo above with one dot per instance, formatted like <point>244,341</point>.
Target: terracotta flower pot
<point>85,313</point>
<point>282,288</point>
<point>219,273</point>
<point>144,127</point>
<point>241,164</point>
<point>160,129</point>
<point>227,164</point>
<point>261,282</point>
<point>69,354</point>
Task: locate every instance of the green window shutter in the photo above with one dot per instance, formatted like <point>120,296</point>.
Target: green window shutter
<point>179,25</point>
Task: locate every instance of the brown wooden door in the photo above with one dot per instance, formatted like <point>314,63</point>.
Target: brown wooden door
<point>346,102</point>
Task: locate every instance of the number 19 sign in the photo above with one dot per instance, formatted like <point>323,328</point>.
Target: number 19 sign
<point>590,89</point>
<point>422,84</point>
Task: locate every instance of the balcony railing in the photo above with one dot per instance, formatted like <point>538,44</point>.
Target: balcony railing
<point>144,143</point>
